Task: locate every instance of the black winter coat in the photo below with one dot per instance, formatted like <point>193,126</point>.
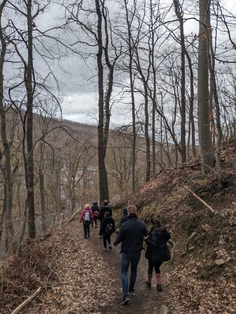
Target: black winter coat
<point>131,235</point>
<point>95,208</point>
<point>103,209</point>
<point>157,249</point>
<point>105,221</point>
<point>124,218</point>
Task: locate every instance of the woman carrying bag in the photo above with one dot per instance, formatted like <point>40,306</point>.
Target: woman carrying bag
<point>157,251</point>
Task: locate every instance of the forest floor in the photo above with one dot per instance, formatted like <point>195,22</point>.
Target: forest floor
<point>85,279</point>
<point>88,279</point>
<point>61,272</point>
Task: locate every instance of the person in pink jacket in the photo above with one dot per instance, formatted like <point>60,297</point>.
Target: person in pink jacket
<point>86,217</point>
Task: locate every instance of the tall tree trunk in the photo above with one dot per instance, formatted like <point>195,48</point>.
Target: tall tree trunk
<point>154,91</point>
<point>29,126</point>
<point>147,139</point>
<point>5,156</point>
<point>191,109</point>
<point>103,184</point>
<point>179,14</point>
<point>42,197</point>
<point>104,97</point>
<point>134,133</point>
<point>205,140</point>
<point>217,110</point>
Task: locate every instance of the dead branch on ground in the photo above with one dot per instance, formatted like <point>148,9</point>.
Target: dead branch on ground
<point>27,301</point>
<point>197,197</point>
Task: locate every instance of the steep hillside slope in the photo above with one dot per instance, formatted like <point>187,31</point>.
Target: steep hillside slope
<point>202,222</point>
<point>199,279</point>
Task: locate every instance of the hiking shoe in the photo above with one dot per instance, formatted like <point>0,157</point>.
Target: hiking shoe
<point>132,292</point>
<point>148,284</point>
<point>159,287</point>
<point>125,299</point>
<point>104,249</point>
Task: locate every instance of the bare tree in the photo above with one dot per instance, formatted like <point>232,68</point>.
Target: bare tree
<point>179,14</point>
<point>205,140</point>
<point>5,154</point>
<point>131,42</point>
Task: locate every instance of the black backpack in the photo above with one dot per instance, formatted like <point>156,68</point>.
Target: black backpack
<point>109,229</point>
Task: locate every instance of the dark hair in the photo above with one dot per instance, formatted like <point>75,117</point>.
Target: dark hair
<point>155,222</point>
<point>105,202</point>
<point>107,214</point>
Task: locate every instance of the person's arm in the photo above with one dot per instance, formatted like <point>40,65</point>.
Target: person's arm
<point>81,216</point>
<point>165,234</point>
<point>103,225</point>
<point>145,231</point>
<point>152,240</point>
<point>119,236</point>
<point>100,214</point>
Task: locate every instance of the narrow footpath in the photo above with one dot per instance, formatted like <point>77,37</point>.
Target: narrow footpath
<point>88,279</point>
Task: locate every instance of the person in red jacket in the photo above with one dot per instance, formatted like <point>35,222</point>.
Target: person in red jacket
<point>86,217</point>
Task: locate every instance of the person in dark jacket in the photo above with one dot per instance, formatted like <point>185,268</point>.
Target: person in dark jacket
<point>106,232</point>
<point>95,209</point>
<point>103,209</point>
<point>124,217</point>
<point>157,251</point>
<point>131,236</point>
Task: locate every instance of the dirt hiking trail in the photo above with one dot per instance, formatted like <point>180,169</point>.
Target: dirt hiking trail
<point>89,281</point>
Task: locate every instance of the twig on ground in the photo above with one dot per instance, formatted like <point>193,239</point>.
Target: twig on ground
<point>27,301</point>
<point>197,197</point>
<point>192,235</point>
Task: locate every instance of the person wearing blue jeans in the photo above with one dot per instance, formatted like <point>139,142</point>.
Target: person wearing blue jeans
<point>133,259</point>
<point>131,236</point>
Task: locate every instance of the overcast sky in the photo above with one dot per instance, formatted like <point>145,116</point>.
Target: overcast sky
<point>79,94</point>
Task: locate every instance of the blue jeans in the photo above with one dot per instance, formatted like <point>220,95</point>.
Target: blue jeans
<point>128,258</point>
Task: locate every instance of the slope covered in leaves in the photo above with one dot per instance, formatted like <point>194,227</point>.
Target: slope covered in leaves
<point>76,276</point>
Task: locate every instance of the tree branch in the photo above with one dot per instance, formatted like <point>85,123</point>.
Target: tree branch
<point>27,301</point>
<point>199,198</point>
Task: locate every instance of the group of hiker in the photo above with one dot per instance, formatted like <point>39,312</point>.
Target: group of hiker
<point>132,233</point>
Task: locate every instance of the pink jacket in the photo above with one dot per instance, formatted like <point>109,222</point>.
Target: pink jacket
<point>83,212</point>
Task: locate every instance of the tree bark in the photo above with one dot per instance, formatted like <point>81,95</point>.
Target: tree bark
<point>29,130</point>
<point>5,156</point>
<point>103,186</point>
<point>205,140</point>
<point>134,133</point>
<point>179,14</point>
